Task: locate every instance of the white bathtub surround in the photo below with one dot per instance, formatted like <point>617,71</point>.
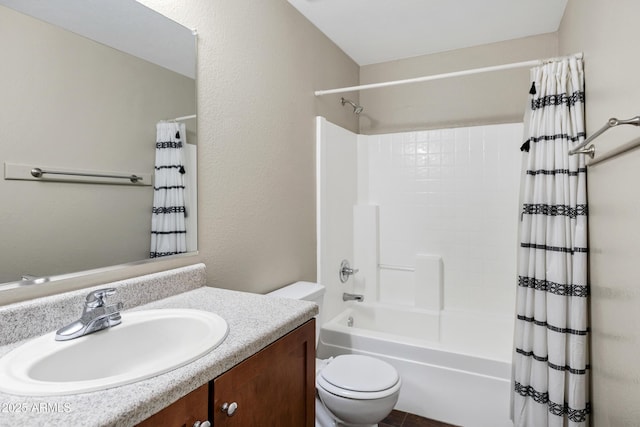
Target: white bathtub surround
<point>336,194</point>
<point>451,193</point>
<point>552,334</point>
<point>433,229</point>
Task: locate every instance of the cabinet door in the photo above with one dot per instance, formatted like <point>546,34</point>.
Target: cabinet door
<point>273,388</point>
<point>184,412</point>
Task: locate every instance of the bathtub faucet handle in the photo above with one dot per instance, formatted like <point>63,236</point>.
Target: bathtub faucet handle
<point>349,271</point>
<point>346,271</point>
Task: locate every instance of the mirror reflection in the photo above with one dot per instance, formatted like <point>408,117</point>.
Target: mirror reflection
<point>71,103</point>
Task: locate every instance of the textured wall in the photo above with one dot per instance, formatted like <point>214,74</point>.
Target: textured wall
<point>259,62</point>
<point>496,97</point>
<point>608,37</point>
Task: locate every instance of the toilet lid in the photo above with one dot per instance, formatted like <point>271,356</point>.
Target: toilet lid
<point>360,373</point>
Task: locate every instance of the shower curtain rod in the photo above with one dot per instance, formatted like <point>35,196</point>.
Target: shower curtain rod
<point>446,75</point>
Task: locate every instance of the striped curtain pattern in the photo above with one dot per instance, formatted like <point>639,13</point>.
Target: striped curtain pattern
<point>551,366</point>
<point>168,232</point>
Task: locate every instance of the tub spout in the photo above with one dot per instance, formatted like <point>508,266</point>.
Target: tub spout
<point>352,297</point>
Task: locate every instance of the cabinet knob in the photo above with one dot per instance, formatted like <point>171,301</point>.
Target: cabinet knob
<point>229,408</point>
<point>202,424</point>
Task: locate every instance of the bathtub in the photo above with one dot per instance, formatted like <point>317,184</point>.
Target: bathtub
<point>455,366</point>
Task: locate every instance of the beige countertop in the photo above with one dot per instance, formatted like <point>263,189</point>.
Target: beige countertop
<point>254,322</point>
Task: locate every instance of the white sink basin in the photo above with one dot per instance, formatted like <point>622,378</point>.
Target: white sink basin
<point>146,343</point>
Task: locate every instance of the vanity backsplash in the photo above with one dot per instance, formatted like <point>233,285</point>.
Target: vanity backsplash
<point>35,317</point>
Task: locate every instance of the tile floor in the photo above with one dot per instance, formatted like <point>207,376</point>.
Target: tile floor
<point>404,419</point>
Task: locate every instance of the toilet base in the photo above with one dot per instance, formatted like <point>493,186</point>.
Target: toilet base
<point>324,418</point>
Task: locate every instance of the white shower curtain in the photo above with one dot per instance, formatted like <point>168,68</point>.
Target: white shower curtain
<point>168,232</point>
<point>551,366</point>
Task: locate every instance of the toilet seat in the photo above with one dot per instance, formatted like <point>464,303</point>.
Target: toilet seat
<point>359,377</point>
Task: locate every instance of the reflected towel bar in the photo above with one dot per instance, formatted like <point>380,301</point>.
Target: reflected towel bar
<point>38,172</point>
<point>612,122</point>
<point>44,173</point>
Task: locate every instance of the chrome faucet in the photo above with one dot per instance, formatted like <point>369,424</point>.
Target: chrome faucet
<point>96,316</point>
<point>352,297</point>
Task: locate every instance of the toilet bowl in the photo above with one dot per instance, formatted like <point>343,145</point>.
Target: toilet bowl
<point>352,390</point>
<point>357,390</point>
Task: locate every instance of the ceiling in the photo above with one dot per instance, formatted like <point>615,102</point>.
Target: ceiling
<point>373,31</point>
<point>125,25</point>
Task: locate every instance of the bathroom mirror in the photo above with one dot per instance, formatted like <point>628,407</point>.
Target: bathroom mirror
<point>84,84</point>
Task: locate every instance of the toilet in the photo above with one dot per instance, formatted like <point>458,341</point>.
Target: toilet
<point>352,390</point>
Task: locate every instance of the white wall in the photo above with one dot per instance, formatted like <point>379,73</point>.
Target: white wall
<point>451,193</point>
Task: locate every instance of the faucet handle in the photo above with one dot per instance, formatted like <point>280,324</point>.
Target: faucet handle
<point>346,271</point>
<point>97,298</point>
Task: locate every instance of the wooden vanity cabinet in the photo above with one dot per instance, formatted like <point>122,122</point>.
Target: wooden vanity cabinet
<point>274,387</point>
<point>184,412</point>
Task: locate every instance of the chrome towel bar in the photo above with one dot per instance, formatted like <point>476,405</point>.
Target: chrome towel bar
<point>612,122</point>
<point>38,172</point>
<point>44,173</point>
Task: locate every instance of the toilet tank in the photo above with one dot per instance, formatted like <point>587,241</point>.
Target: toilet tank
<point>307,291</point>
